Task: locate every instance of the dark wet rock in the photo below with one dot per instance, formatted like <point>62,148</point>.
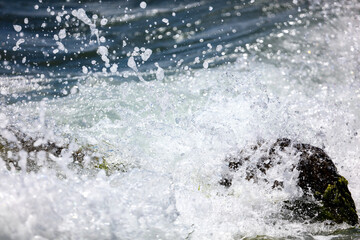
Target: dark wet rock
<point>17,147</point>
<point>14,143</point>
<point>325,192</point>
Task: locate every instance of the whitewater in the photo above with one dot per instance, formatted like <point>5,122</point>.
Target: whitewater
<point>169,115</point>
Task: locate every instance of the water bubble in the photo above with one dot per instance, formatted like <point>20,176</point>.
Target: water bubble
<point>17,46</point>
<point>17,28</point>
<point>143,5</point>
<point>62,33</point>
<point>103,22</point>
<point>114,68</point>
<point>61,46</point>
<point>131,63</point>
<point>146,54</point>
<point>159,72</point>
<point>206,64</point>
<point>165,20</point>
<point>103,52</point>
<point>74,90</point>
<point>85,69</point>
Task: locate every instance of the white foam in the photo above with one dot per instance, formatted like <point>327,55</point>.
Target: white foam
<point>3,120</point>
<point>172,136</point>
<point>81,15</point>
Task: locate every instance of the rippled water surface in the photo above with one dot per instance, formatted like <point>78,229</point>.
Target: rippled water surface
<point>166,90</point>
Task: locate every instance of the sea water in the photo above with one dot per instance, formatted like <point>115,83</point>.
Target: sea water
<point>167,90</point>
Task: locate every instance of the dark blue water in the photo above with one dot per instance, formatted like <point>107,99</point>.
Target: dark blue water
<point>193,31</point>
<point>233,23</point>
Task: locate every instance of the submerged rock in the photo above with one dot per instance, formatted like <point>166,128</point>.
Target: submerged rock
<point>325,192</point>
<point>19,150</point>
<point>22,152</point>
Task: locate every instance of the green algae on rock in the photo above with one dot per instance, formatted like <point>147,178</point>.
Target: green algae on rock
<point>338,204</point>
<point>325,192</point>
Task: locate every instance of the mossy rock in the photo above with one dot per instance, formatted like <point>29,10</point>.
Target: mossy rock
<point>338,204</point>
<point>325,192</point>
<point>109,168</point>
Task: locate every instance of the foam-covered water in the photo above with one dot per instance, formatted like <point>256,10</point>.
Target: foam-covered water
<point>298,79</point>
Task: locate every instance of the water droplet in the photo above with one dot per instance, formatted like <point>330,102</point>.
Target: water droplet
<point>17,28</point>
<point>143,5</point>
